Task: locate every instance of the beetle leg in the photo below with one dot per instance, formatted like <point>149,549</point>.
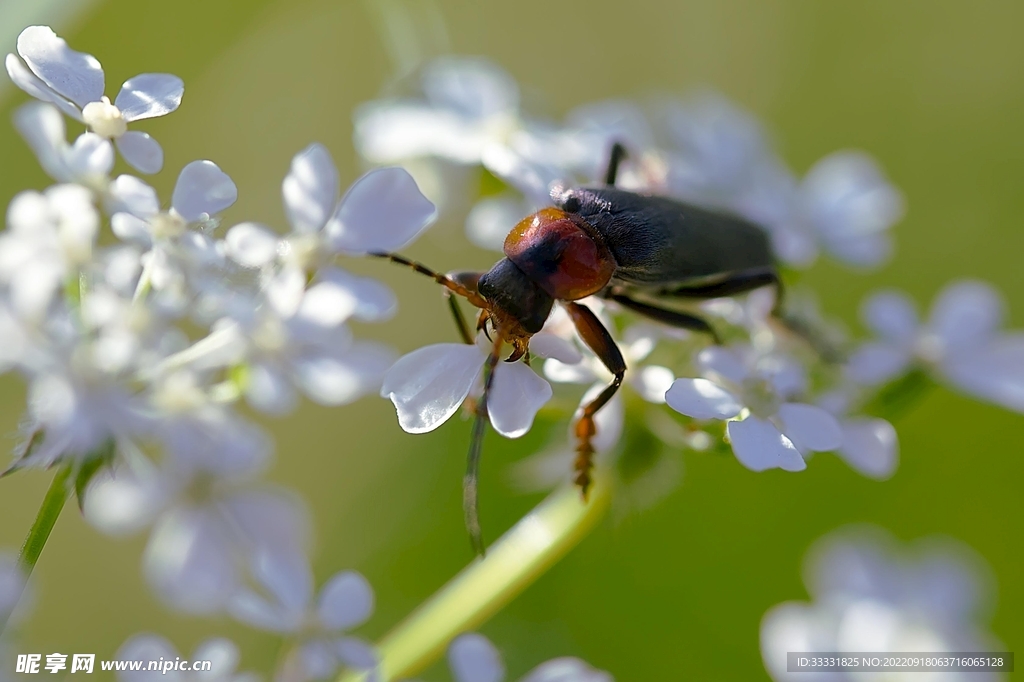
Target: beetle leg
<point>735,283</point>
<point>601,342</point>
<point>618,153</point>
<point>669,317</point>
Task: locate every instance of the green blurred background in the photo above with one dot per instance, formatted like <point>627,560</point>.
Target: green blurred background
<point>935,90</point>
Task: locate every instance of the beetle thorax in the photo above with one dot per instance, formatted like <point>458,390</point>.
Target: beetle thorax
<point>561,254</point>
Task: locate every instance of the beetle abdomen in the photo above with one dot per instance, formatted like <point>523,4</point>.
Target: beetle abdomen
<point>658,240</point>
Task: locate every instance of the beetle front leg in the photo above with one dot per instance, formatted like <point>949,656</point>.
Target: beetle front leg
<point>601,342</point>
<point>615,157</point>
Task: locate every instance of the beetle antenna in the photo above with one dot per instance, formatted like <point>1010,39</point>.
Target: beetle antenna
<point>444,280</point>
<point>469,483</point>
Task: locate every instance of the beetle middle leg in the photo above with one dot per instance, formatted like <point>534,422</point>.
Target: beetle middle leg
<point>467,280</point>
<point>672,318</point>
<point>734,283</point>
<point>601,342</point>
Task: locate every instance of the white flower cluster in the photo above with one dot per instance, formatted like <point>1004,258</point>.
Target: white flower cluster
<point>779,402</point>
<point>137,346</point>
<point>870,594</point>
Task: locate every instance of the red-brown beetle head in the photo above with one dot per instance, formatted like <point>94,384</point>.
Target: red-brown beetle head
<point>560,254</point>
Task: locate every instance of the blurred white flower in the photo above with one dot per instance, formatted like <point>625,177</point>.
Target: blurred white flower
<point>772,430</point>
<point>870,594</point>
<point>73,81</point>
<point>961,343</point>
<point>849,206</point>
<point>428,385</point>
<point>222,654</point>
<point>473,658</point>
<point>49,237</point>
<point>285,604</point>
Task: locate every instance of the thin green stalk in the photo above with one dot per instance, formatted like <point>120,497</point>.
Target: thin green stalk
<point>53,503</point>
<point>49,511</point>
<point>512,564</point>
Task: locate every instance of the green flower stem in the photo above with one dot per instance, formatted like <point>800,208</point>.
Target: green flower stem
<point>49,511</point>
<point>512,564</point>
<point>53,503</point>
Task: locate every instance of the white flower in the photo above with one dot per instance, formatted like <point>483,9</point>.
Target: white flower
<point>849,205</point>
<point>222,654</point>
<point>87,162</point>
<point>73,81</point>
<point>469,116</point>
<point>49,238</point>
<point>209,516</point>
<point>286,605</point>
<point>473,658</point>
<point>960,344</point>
<point>382,211</point>
<point>772,430</point>
<point>428,385</point>
<point>869,594</point>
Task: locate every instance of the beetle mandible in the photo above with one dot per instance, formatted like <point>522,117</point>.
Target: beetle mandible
<point>638,250</point>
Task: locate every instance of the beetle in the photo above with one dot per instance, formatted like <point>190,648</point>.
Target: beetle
<point>639,250</point>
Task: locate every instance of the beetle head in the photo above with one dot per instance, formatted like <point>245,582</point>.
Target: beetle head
<point>517,307</point>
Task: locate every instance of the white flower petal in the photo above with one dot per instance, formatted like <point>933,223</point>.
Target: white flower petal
<point>723,362</point>
<point>121,503</point>
<point>428,385</point>
<point>473,658</point>
<point>149,95</point>
<point>340,380</point>
<point>892,315</point>
<point>875,363</point>
<point>141,151</point>
<point>223,655</point>
<point>992,372</point>
<point>566,669</point>
<point>866,251</point>
<point>492,218</point>
<point>578,373</point>
<point>318,660</point>
<point>130,194</point>
<point>374,300</point>
<point>357,654</point>
<point>251,245</point>
<point>189,561</point>
<point>472,86</point>
<point>759,446</point>
<point>268,390</point>
<point>310,189</point>
<point>202,189</point>
<point>326,304</point>
<point>550,345</point>
<point>90,156</point>
<point>966,314</point>
<point>147,647</point>
<point>288,578</point>
<point>27,81</point>
<point>702,399</point>
<point>653,382</point>
<point>345,601</point>
<point>74,75</point>
<point>870,446</point>
<point>42,126</point>
<point>383,211</point>
<point>131,229</point>
<point>534,180</point>
<point>810,427</point>
<point>394,131</point>
<point>517,393</point>
<point>256,611</point>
